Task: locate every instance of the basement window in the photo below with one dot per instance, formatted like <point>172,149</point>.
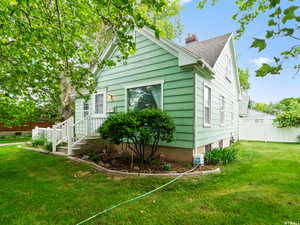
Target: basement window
<point>207,148</point>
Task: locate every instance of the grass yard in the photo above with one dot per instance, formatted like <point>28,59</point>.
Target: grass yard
<point>262,187</point>
<point>13,139</point>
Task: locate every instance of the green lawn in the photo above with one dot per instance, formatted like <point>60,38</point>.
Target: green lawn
<point>262,187</point>
<point>5,140</point>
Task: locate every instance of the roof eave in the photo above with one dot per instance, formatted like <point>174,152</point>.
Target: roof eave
<point>185,57</point>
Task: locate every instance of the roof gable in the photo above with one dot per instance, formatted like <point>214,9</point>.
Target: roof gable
<point>209,50</point>
<point>185,57</point>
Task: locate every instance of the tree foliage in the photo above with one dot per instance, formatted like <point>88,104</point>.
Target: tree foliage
<point>49,48</point>
<point>140,128</point>
<point>287,111</point>
<point>244,79</point>
<point>283,23</point>
<point>264,107</point>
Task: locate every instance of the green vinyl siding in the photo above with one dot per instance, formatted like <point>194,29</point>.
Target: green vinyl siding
<point>220,85</point>
<point>152,63</point>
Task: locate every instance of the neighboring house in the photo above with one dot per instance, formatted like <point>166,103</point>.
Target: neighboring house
<point>259,126</point>
<point>197,85</point>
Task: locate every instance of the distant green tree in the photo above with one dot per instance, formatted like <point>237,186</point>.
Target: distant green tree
<point>289,113</point>
<point>244,79</point>
<point>263,107</point>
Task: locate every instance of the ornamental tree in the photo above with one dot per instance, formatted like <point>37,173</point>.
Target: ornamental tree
<point>141,130</point>
<point>51,48</point>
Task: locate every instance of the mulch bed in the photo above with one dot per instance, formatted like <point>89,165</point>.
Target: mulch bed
<point>123,163</point>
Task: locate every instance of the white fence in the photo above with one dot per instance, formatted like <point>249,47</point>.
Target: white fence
<point>39,132</point>
<point>264,130</point>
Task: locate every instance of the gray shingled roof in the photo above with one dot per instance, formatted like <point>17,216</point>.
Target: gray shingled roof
<point>210,49</point>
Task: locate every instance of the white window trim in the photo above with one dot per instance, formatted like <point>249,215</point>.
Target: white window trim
<point>204,123</point>
<point>232,112</point>
<point>228,67</point>
<point>89,107</point>
<point>94,104</point>
<point>161,82</point>
<point>222,110</point>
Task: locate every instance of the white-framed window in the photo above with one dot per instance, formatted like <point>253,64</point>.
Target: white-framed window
<point>208,148</point>
<point>228,66</point>
<point>144,96</point>
<point>221,144</point>
<point>99,103</point>
<point>222,110</point>
<point>86,108</point>
<point>232,111</point>
<point>207,106</point>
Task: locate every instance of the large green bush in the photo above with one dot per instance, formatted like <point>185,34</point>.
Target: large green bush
<point>38,142</point>
<point>221,156</point>
<point>140,128</point>
<point>288,119</point>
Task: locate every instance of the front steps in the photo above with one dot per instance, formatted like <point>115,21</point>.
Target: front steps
<point>91,143</point>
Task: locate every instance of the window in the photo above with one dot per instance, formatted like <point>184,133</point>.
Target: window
<point>228,66</point>
<point>207,148</point>
<point>221,144</point>
<point>144,97</point>
<point>207,105</point>
<point>232,111</point>
<point>99,104</point>
<point>222,110</point>
<point>85,108</point>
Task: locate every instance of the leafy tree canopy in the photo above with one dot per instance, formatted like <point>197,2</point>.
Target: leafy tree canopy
<point>49,48</point>
<point>264,107</point>
<point>283,23</point>
<point>244,79</point>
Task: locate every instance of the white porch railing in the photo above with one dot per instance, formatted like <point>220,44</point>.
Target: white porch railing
<point>69,132</point>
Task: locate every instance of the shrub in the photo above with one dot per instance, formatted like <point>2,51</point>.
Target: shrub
<point>48,146</point>
<point>38,142</point>
<point>167,166</point>
<point>221,156</point>
<point>288,119</point>
<point>214,156</point>
<point>140,128</point>
<point>93,156</point>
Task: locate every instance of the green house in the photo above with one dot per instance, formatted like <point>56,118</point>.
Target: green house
<point>196,84</point>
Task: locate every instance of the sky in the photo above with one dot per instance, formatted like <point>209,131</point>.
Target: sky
<point>216,20</point>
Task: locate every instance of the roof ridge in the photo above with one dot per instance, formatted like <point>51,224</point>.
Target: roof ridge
<point>219,36</point>
<point>209,49</point>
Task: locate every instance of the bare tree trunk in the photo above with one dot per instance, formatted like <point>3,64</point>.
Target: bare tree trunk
<point>67,101</point>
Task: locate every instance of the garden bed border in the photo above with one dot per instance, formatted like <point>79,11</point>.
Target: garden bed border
<point>123,173</point>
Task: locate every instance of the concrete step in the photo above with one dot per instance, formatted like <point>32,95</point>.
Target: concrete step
<point>92,137</point>
<point>64,149</point>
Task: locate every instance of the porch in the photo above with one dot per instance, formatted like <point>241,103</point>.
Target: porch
<point>69,132</point>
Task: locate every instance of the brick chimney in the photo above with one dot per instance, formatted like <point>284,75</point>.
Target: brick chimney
<point>191,38</point>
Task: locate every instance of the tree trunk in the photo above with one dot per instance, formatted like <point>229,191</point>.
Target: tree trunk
<point>67,101</point>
